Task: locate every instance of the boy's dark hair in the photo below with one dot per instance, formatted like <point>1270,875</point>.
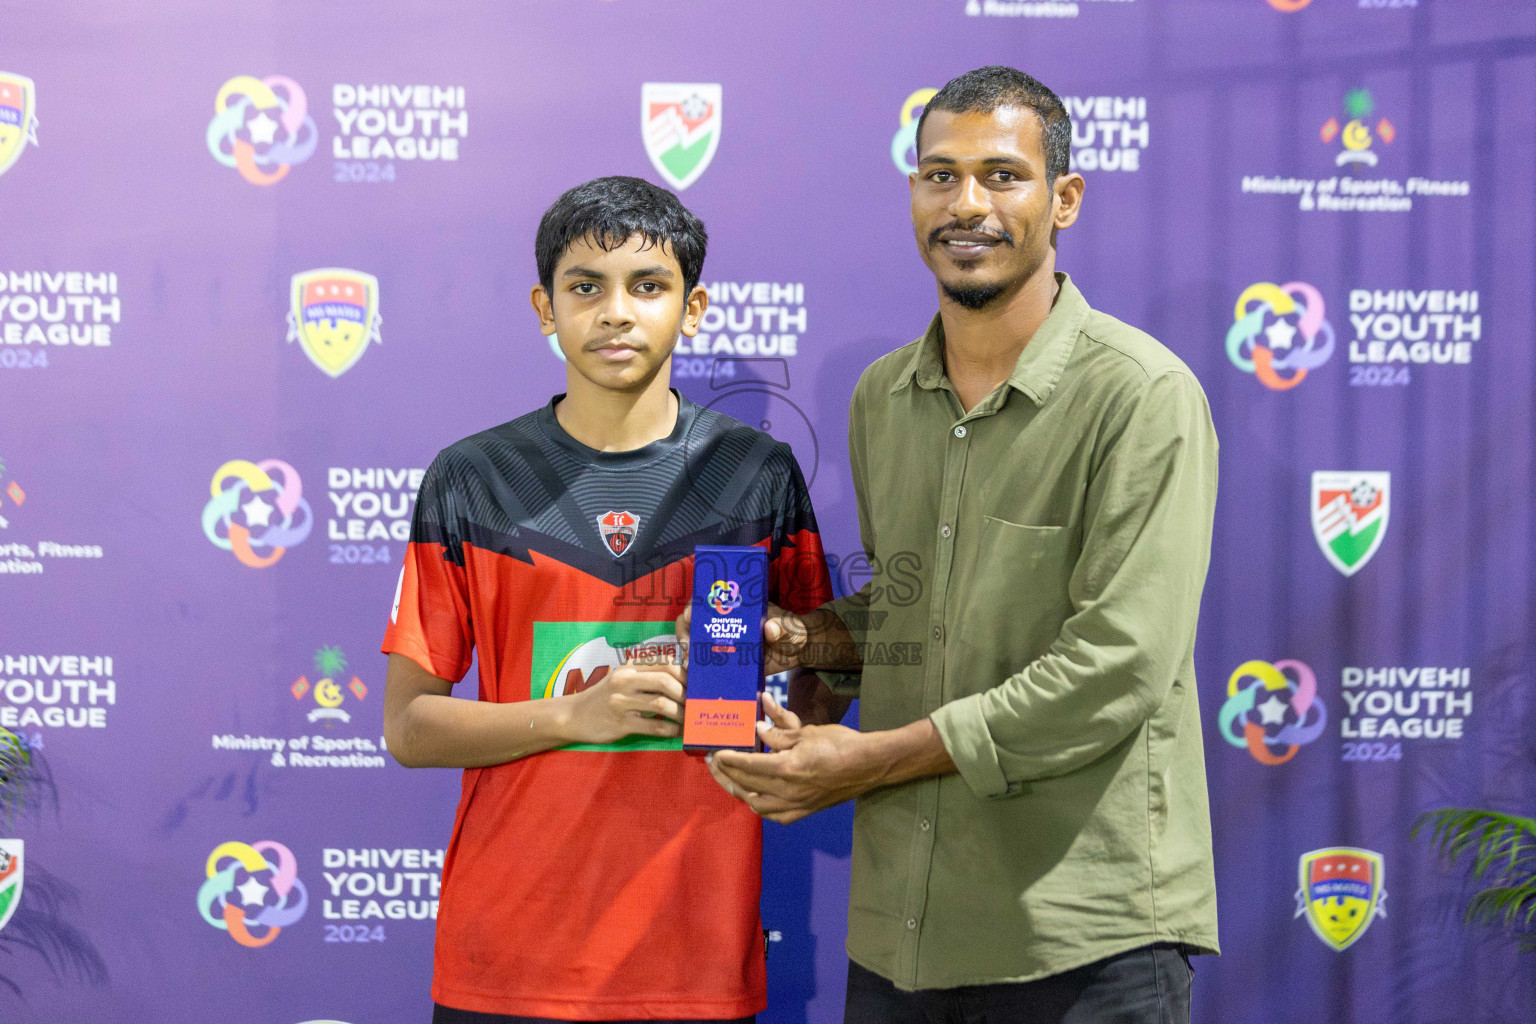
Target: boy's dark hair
<point>986,89</point>
<point>611,211</point>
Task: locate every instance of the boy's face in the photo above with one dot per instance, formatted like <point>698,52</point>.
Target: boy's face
<point>618,313</point>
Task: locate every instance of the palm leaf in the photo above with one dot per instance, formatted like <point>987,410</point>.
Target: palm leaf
<point>15,762</point>
<point>1503,850</point>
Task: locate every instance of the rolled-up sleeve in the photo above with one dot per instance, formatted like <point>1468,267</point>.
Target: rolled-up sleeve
<point>1134,597</point>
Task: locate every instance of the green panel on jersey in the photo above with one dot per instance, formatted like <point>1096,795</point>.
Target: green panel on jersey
<point>555,642</point>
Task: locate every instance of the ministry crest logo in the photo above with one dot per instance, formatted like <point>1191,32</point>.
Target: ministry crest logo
<point>1349,516</point>
<point>18,117</point>
<point>1341,892</point>
<point>680,123</point>
<point>334,313</point>
<point>1355,134</point>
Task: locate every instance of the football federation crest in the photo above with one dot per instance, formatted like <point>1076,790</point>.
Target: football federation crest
<point>18,117</point>
<point>11,872</point>
<point>334,314</point>
<point>680,124</point>
<point>618,530</point>
<point>1349,516</point>
<point>1341,892</point>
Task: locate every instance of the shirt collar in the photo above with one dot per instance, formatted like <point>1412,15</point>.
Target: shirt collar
<point>1040,365</point>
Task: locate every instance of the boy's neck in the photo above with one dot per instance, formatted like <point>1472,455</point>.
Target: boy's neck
<point>617,421</point>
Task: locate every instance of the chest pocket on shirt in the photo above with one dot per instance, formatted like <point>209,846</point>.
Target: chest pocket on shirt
<point>1018,597</point>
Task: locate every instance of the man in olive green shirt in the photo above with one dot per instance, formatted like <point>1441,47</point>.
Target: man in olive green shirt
<point>1032,834</point>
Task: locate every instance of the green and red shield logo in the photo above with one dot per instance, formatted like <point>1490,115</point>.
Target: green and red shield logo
<point>1349,516</point>
<point>11,874</point>
<point>680,123</point>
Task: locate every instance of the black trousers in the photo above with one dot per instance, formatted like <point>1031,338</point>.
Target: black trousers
<point>1149,985</point>
<point>445,1015</point>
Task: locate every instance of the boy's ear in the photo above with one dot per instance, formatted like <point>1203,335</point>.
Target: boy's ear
<point>544,308</point>
<point>693,310</point>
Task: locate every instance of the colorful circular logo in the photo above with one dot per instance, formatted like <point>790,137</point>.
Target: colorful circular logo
<point>904,145</point>
<point>261,127</point>
<point>246,498</point>
<point>249,896</point>
<point>724,596</point>
<point>1270,713</point>
<point>1279,333</point>
<point>1288,6</point>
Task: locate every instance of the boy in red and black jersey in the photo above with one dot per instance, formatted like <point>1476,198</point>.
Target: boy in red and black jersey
<point>596,872</point>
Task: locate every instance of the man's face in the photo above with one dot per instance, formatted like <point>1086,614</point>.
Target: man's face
<point>981,209</point>
<point>618,313</point>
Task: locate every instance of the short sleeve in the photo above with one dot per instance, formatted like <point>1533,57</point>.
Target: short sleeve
<point>798,580</point>
<point>430,622</point>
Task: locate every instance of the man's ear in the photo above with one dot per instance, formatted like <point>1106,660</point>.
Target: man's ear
<point>1067,202</point>
<point>693,311</point>
<point>544,308</point>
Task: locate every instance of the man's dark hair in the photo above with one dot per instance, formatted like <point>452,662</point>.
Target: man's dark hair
<point>609,212</point>
<point>986,89</point>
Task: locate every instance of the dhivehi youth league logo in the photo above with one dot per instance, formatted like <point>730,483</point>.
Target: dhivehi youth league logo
<point>252,891</point>
<point>334,314</point>
<point>261,127</point>
<point>904,142</point>
<point>680,124</point>
<point>257,511</point>
<point>1278,333</point>
<point>1349,516</point>
<point>11,874</point>
<point>18,117</point>
<point>724,596</point>
<point>1272,710</point>
<point>1341,892</point>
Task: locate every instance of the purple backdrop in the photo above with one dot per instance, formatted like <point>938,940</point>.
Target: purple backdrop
<point>1340,187</point>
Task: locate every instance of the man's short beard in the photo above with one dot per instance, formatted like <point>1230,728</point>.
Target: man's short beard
<point>975,296</point>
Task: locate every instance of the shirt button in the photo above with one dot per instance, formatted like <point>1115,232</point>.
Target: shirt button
<point>938,633</point>
<point>926,825</point>
<point>911,924</point>
<point>960,431</point>
<point>944,530</point>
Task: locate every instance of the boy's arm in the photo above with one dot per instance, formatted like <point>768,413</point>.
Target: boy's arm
<point>426,727</point>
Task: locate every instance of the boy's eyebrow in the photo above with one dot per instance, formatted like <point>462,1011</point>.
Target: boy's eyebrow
<point>580,271</point>
<point>657,271</point>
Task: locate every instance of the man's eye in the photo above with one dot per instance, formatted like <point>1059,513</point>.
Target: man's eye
<point>941,176</point>
<point>585,288</point>
<point>1006,176</point>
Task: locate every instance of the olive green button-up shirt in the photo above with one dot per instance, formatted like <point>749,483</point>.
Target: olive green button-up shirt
<point>1045,553</point>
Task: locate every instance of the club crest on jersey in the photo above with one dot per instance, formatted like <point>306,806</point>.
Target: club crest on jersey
<point>618,530</point>
<point>334,314</point>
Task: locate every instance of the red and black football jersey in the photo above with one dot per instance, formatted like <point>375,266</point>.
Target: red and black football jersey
<point>594,882</point>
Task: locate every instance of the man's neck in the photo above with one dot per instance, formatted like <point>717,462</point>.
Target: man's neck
<point>981,346</point>
<point>617,421</point>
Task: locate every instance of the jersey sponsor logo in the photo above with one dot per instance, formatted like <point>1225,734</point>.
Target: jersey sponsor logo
<point>1349,516</point>
<point>334,314</point>
<point>618,531</point>
<point>252,891</point>
<point>18,117</point>
<point>1340,894</point>
<point>12,873</point>
<point>569,657</point>
<point>680,124</point>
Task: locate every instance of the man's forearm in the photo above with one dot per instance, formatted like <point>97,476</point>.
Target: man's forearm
<point>914,751</point>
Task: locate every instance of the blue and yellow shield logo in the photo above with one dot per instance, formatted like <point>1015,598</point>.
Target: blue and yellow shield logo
<point>334,313</point>
<point>18,117</point>
<point>1341,893</point>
